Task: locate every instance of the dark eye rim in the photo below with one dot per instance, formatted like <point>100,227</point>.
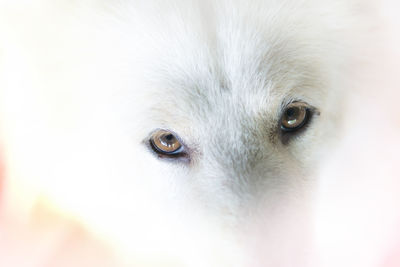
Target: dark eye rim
<point>178,153</point>
<point>287,135</point>
<point>303,123</point>
<point>159,150</point>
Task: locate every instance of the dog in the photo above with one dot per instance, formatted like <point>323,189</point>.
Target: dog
<point>180,133</point>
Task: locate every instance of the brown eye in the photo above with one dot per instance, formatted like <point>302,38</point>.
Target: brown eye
<point>295,116</point>
<point>165,142</point>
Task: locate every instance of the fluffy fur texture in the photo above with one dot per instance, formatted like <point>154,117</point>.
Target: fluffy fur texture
<point>84,84</point>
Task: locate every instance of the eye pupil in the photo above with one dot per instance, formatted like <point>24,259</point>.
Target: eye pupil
<point>169,137</point>
<point>290,112</point>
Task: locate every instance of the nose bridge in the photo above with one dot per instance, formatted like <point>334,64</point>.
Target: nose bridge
<point>232,151</point>
<point>234,146</point>
<point>231,142</point>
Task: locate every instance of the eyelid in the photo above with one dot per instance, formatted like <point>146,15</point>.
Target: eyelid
<point>285,104</point>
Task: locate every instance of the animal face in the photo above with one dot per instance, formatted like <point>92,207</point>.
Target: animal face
<point>225,80</point>
<point>178,114</point>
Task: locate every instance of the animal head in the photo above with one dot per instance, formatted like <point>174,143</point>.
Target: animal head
<point>182,114</point>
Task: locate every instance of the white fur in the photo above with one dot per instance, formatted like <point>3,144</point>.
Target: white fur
<point>84,84</point>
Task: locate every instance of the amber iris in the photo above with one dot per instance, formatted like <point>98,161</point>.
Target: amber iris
<point>165,142</point>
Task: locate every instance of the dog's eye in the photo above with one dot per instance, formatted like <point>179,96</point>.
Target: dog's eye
<point>295,116</point>
<point>165,142</point>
